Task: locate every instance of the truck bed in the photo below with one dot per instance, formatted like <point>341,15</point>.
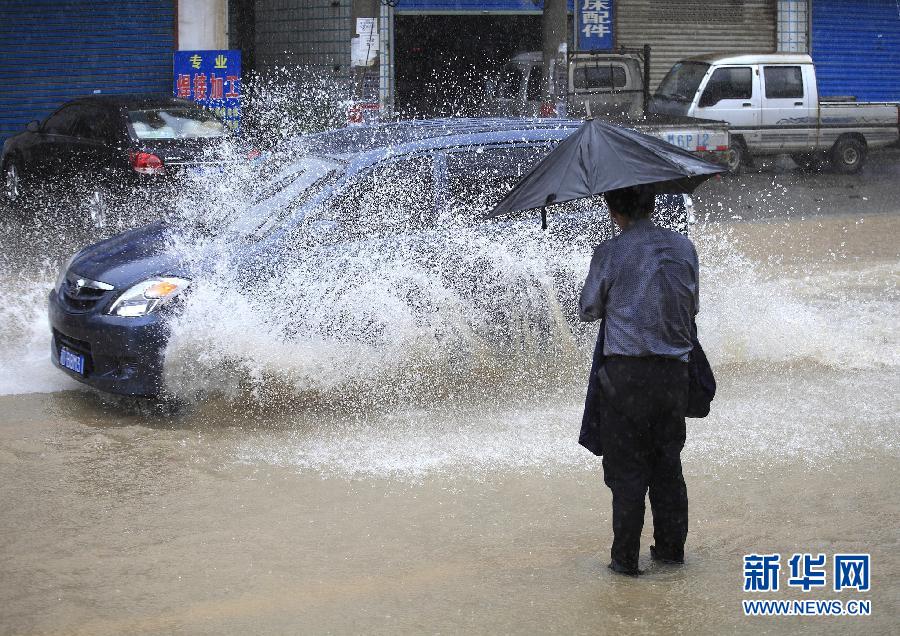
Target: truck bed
<point>876,121</point>
<point>705,137</point>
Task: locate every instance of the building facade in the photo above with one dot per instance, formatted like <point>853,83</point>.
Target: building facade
<point>52,51</point>
<point>429,50</point>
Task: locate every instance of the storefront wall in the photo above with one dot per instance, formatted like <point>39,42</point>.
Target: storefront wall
<point>674,29</point>
<point>51,52</point>
<point>310,33</point>
<point>856,47</point>
<point>679,29</point>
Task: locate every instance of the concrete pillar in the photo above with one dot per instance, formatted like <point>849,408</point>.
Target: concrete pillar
<point>555,34</point>
<point>202,25</point>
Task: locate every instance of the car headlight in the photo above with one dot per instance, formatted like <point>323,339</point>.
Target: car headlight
<point>148,296</point>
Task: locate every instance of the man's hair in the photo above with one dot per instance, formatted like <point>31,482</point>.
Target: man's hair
<point>635,202</point>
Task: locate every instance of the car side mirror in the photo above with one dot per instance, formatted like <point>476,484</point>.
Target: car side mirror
<point>33,126</point>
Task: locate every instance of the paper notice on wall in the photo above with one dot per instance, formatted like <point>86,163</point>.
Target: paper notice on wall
<point>364,47</point>
<point>366,26</point>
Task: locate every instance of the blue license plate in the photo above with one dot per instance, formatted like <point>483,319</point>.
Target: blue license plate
<point>71,360</point>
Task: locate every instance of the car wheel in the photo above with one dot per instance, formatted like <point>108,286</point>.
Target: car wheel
<point>737,158</point>
<point>98,207</point>
<point>848,155</point>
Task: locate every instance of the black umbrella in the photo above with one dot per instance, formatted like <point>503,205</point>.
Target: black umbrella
<point>599,157</point>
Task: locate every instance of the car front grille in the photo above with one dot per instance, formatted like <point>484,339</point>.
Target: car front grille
<point>81,294</point>
<point>79,346</point>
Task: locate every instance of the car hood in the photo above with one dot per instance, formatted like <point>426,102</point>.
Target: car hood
<point>130,257</point>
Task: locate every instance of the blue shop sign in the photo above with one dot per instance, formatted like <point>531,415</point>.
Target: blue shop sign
<point>212,79</point>
<point>594,25</point>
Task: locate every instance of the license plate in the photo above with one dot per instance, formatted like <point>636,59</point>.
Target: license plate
<point>71,360</point>
<point>688,140</point>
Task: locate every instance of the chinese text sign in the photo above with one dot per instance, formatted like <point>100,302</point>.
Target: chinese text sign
<point>212,79</point>
<point>594,25</point>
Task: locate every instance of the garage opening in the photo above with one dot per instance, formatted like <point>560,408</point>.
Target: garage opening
<point>442,60</point>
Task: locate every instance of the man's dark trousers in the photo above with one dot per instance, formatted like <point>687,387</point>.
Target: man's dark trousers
<point>643,433</point>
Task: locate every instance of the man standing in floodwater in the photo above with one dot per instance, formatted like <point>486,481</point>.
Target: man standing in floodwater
<point>644,284</point>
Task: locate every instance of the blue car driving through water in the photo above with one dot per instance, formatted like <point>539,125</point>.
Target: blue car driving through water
<point>113,302</point>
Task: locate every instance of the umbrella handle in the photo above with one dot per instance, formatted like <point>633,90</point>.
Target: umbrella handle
<point>543,218</point>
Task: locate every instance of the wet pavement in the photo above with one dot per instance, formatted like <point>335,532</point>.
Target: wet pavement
<point>271,509</point>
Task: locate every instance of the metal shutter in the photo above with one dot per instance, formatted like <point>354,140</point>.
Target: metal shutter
<point>312,33</point>
<point>54,50</point>
<point>856,48</point>
<point>680,29</point>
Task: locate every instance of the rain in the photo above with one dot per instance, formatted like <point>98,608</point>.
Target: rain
<point>371,426</point>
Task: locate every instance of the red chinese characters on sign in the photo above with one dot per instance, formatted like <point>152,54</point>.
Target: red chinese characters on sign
<point>200,86</point>
<point>216,85</point>
<point>184,86</point>
<point>232,81</point>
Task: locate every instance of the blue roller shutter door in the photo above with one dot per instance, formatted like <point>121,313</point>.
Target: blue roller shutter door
<point>55,50</point>
<point>856,47</point>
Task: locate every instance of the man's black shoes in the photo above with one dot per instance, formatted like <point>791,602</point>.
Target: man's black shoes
<point>662,557</point>
<point>657,555</point>
<point>618,568</point>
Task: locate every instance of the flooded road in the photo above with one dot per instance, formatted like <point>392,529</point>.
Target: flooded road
<point>471,508</point>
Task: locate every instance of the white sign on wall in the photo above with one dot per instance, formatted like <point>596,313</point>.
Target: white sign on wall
<point>364,47</point>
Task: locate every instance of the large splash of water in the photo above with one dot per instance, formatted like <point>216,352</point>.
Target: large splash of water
<point>460,345</point>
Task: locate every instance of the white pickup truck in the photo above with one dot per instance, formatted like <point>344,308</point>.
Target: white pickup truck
<point>608,86</point>
<point>772,104</point>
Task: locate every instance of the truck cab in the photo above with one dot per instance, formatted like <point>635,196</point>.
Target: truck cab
<point>592,83</point>
<point>772,105</point>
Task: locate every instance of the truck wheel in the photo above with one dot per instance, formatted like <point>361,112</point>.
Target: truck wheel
<point>848,155</point>
<point>737,158</point>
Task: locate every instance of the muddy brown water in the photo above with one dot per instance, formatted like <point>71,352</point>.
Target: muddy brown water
<point>471,514</point>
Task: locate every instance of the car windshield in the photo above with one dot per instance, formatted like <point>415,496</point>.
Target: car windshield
<point>682,81</point>
<point>174,123</point>
<point>285,193</point>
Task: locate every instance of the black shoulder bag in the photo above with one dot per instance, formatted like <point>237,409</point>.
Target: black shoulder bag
<point>701,381</point>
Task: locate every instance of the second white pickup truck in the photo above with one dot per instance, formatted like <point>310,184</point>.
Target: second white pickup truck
<point>772,106</point>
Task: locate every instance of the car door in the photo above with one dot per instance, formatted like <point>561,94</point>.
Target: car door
<point>732,94</point>
<point>95,145</point>
<point>62,150</point>
<point>788,109</point>
<point>475,178</point>
<point>44,156</point>
<point>395,196</point>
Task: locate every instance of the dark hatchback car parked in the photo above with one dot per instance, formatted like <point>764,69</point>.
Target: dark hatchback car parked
<point>102,144</point>
<point>111,305</point>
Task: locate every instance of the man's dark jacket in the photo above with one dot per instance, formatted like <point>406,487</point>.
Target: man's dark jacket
<point>701,390</point>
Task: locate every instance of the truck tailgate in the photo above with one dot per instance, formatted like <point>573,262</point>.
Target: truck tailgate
<point>705,137</point>
<point>694,139</point>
